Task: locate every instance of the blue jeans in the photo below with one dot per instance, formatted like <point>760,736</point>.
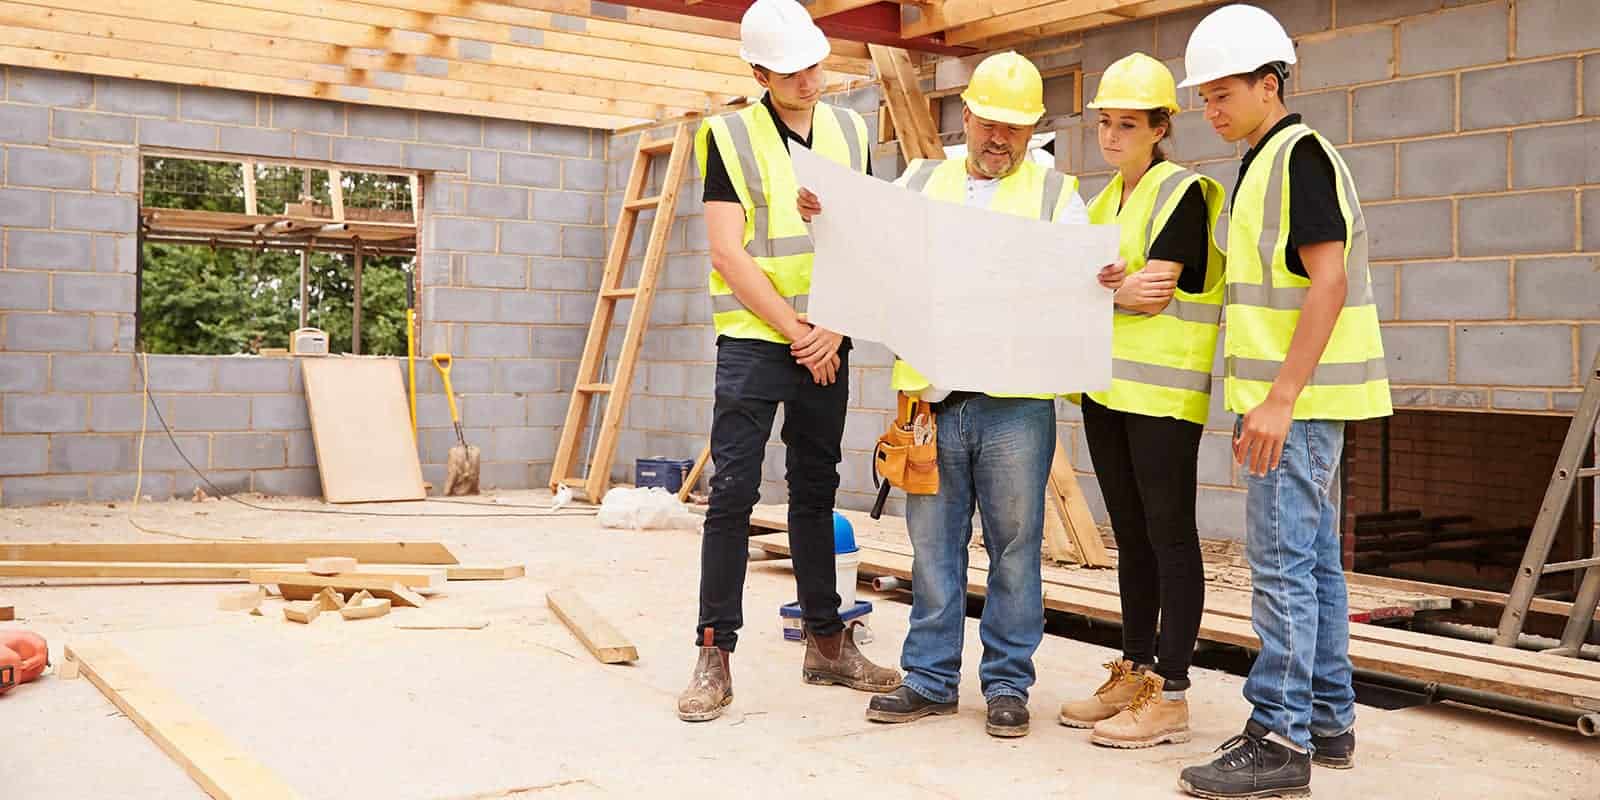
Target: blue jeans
<point>1301,682</point>
<point>993,453</point>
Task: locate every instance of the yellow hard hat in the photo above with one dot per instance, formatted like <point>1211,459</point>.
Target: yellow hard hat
<point>1137,82</point>
<point>1006,88</point>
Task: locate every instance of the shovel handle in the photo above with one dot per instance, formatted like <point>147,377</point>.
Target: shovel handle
<point>442,362</point>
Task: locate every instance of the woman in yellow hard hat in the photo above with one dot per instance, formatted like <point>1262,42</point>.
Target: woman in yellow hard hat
<point>1144,432</point>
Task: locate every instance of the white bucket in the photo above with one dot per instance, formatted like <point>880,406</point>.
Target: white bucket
<point>844,570</point>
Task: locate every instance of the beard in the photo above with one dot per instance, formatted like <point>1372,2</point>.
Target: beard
<point>982,165</point>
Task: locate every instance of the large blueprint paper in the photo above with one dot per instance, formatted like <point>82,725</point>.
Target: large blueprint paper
<point>974,299</point>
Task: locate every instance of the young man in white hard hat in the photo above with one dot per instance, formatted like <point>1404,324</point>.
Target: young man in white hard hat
<point>1303,355</point>
<point>1144,432</point>
<point>768,354</point>
<point>994,449</point>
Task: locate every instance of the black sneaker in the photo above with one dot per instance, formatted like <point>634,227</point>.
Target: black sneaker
<point>1008,717</point>
<point>904,705</point>
<point>1334,752</point>
<point>1250,766</point>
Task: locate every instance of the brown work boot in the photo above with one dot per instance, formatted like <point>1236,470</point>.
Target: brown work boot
<point>835,659</point>
<point>710,688</point>
<point>1112,696</point>
<point>1150,719</point>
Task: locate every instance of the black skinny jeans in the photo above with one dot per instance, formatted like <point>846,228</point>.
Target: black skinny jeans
<point>1146,468</point>
<point>753,377</point>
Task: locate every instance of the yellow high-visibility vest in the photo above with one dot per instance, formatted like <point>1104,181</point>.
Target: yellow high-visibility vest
<point>1031,191</point>
<point>1161,363</point>
<point>758,165</point>
<point>1264,297</point>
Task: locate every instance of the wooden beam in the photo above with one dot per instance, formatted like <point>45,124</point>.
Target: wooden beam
<point>394,593</point>
<point>337,81</point>
<point>223,770</point>
<point>423,576</point>
<point>694,475</point>
<point>1063,484</point>
<point>8,612</point>
<point>608,24</point>
<point>604,641</point>
<point>397,30</point>
<point>1045,21</point>
<point>365,579</point>
<point>395,552</point>
<point>950,14</point>
<point>170,25</point>
<point>204,76</point>
<point>919,135</point>
<point>827,8</point>
<point>1012,15</point>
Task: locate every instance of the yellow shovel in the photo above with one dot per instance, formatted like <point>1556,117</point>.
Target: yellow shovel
<point>461,468</point>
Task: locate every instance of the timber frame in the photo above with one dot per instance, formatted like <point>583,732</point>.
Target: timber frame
<point>583,63</point>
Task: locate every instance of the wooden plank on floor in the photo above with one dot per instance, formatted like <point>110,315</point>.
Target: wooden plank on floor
<point>222,769</point>
<point>604,641</point>
<point>365,579</point>
<point>395,593</point>
<point>151,570</point>
<point>8,612</point>
<point>366,552</point>
<point>1371,647</point>
<point>362,430</point>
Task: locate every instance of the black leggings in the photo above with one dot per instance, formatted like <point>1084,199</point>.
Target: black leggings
<point>1146,468</point>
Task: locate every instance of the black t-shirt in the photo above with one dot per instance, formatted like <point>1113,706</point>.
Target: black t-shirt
<point>719,187</point>
<point>1186,239</point>
<point>1314,213</point>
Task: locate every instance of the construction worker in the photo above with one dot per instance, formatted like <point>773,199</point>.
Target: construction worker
<point>768,354</point>
<point>1144,432</point>
<point>994,450</point>
<point>1303,355</point>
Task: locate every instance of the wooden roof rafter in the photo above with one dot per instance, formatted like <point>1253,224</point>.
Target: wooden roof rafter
<point>1017,22</point>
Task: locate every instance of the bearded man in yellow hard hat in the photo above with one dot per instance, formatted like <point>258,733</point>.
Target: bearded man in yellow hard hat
<point>994,448</point>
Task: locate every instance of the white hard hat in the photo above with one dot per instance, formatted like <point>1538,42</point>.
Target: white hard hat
<point>779,35</point>
<point>1234,40</point>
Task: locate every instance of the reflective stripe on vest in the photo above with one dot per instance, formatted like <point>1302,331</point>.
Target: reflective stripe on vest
<point>1264,298</point>
<point>1161,363</point>
<point>946,180</point>
<point>756,158</point>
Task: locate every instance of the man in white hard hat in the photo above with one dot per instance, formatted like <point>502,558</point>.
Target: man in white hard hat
<point>995,447</point>
<point>1303,355</point>
<point>767,354</point>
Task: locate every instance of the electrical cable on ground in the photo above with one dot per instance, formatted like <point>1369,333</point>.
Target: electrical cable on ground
<point>150,403</point>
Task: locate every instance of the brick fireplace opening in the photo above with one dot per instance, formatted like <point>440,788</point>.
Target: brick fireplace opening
<point>1450,497</point>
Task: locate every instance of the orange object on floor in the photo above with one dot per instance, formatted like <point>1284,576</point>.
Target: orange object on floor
<point>32,655</point>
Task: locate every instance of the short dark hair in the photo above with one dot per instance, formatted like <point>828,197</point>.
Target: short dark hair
<point>1275,68</point>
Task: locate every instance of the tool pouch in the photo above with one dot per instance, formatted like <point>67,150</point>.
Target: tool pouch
<point>899,460</point>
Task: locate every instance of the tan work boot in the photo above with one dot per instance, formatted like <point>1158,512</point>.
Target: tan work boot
<point>835,660</point>
<point>710,688</point>
<point>1112,696</point>
<point>1149,720</point>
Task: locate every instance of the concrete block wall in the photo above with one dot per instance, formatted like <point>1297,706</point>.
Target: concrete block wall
<point>512,240</point>
<point>1470,126</point>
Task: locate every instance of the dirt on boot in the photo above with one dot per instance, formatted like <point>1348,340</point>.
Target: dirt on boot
<point>710,687</point>
<point>835,660</point>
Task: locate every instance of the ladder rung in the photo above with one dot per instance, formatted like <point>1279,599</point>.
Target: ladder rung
<point>628,292</point>
<point>1569,566</point>
<point>643,202</point>
<point>596,388</point>
<point>1591,472</point>
<point>575,484</point>
<point>656,146</point>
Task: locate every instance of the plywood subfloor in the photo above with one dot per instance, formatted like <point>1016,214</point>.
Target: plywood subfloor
<point>519,709</point>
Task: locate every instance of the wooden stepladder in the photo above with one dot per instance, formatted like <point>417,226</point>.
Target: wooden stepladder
<point>1567,476</point>
<point>591,383</point>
